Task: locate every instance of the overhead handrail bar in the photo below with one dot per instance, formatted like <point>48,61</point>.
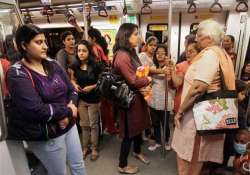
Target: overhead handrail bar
<point>192,7</point>
<point>242,6</point>
<point>214,6</point>
<point>102,12</point>
<point>146,10</point>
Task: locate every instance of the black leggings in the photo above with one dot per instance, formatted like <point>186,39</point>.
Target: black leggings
<point>126,144</point>
<point>157,117</point>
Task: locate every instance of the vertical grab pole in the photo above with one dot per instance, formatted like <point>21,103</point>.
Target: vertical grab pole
<point>84,13</point>
<point>169,26</point>
<point>166,82</point>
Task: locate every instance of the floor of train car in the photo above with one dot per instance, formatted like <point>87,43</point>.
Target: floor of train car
<point>109,153</point>
<point>108,160</point>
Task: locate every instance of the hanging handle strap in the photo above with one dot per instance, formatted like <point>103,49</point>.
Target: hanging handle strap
<point>242,6</point>
<point>216,7</point>
<point>146,10</point>
<point>102,12</point>
<point>192,8</point>
<point>125,10</point>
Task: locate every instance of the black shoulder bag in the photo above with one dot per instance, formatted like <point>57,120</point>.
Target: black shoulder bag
<point>114,88</point>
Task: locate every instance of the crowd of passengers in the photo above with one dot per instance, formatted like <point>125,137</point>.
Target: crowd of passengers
<point>61,93</point>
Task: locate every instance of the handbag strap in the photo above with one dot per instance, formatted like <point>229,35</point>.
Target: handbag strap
<point>222,79</point>
<point>30,76</point>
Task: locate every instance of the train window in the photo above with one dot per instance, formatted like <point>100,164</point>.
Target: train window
<point>193,28</point>
<point>159,30</point>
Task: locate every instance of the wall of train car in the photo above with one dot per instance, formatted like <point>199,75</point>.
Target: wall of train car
<point>186,21</point>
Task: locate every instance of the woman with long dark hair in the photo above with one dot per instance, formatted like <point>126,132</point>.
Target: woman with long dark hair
<point>66,56</point>
<point>135,120</point>
<point>100,46</point>
<point>100,49</point>
<point>84,77</point>
<point>43,95</point>
<point>157,103</point>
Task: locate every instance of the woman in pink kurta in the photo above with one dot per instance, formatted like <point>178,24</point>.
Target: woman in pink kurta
<point>202,76</point>
<point>180,71</point>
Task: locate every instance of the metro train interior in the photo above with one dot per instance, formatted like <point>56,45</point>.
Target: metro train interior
<point>170,21</point>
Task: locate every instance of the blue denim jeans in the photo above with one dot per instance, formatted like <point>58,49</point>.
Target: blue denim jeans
<point>56,152</point>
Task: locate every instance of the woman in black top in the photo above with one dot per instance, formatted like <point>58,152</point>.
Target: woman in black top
<point>84,77</point>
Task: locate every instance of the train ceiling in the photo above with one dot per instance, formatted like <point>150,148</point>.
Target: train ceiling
<point>116,6</point>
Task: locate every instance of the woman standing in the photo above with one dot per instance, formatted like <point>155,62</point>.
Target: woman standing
<point>66,56</point>
<point>202,76</point>
<point>135,120</point>
<point>157,103</point>
<point>100,46</point>
<point>146,57</point>
<point>84,77</point>
<point>100,50</point>
<point>177,75</point>
<point>42,94</point>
